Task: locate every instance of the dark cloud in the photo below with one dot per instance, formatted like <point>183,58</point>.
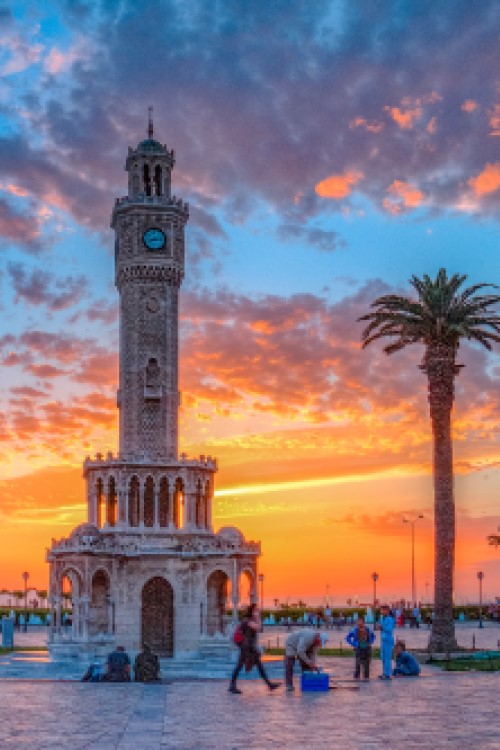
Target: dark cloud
<point>18,228</point>
<point>323,240</point>
<point>36,287</point>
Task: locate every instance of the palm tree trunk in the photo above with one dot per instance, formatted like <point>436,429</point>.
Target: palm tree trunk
<point>439,364</point>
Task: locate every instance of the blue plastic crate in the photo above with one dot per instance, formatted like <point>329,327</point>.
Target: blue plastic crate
<point>317,682</point>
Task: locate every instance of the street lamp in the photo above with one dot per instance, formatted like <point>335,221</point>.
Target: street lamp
<point>480,577</point>
<point>374,579</point>
<point>26,575</point>
<point>412,524</point>
<point>261,581</point>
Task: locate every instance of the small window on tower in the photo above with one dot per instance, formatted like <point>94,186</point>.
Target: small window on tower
<point>158,179</point>
<point>147,180</point>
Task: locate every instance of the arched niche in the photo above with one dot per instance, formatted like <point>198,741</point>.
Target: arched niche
<point>217,594</point>
<point>157,616</point>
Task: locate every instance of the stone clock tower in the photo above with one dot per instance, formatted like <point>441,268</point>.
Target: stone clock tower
<point>149,225</point>
<point>147,566</point>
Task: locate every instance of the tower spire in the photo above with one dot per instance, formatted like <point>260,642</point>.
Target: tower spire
<point>150,122</point>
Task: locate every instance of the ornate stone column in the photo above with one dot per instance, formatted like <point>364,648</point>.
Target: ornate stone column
<point>85,602</point>
<point>75,620</point>
<point>156,521</point>
<point>235,591</point>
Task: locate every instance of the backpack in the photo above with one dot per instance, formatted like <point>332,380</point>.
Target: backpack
<point>238,635</point>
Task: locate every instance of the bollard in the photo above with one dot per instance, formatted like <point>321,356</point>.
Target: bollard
<point>473,642</point>
<point>7,632</point>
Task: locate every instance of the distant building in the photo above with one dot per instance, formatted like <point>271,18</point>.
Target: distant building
<point>34,599</point>
<point>147,566</point>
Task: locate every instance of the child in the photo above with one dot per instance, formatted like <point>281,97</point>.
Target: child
<point>361,638</point>
<point>406,664</point>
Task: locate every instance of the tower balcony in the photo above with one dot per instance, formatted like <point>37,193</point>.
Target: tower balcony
<point>119,460</point>
<point>141,199</point>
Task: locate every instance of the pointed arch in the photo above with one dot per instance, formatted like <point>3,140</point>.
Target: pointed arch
<point>158,179</point>
<point>99,502</point>
<point>178,503</point>
<point>200,515</point>
<point>112,505</point>
<point>164,503</point>
<point>133,501</point>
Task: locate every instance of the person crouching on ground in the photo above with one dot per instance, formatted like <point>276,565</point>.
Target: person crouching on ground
<point>387,625</point>
<point>302,645</point>
<point>249,653</point>
<point>406,664</point>
<point>147,666</point>
<point>361,638</point>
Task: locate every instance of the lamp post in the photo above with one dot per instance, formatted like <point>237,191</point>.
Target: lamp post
<point>261,581</point>
<point>26,576</point>
<point>412,524</point>
<point>480,577</point>
<point>374,579</point>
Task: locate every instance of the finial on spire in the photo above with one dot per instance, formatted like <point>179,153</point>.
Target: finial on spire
<point>150,122</point>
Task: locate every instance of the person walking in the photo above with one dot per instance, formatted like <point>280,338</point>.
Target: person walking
<point>387,626</point>
<point>302,645</point>
<point>361,638</point>
<point>249,653</point>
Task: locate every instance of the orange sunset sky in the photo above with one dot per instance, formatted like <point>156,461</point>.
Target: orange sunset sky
<point>328,151</point>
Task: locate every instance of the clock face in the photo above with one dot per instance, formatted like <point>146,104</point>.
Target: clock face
<point>154,239</point>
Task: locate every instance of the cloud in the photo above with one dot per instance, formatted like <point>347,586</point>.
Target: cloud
<point>33,288</point>
<point>18,228</point>
<point>326,241</point>
<point>402,195</point>
<point>338,186</point>
<point>488,181</point>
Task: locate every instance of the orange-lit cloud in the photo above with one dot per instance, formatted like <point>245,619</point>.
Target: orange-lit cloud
<point>495,120</point>
<point>402,195</point>
<point>469,105</point>
<point>404,118</point>
<point>338,186</point>
<point>488,181</point>
<point>370,126</point>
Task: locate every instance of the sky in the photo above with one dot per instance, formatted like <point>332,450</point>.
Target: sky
<point>328,151</point>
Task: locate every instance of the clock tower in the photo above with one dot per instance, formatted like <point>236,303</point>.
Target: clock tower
<point>149,255</point>
<point>147,566</point>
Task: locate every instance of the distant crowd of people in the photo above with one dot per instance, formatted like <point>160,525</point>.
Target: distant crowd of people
<point>301,647</point>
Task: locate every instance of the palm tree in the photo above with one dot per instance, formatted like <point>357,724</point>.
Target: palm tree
<point>441,315</point>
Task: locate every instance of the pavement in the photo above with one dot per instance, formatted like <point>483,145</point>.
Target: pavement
<point>436,711</point>
<point>439,711</point>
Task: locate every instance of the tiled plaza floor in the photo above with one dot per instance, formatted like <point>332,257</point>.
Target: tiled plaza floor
<point>436,712</point>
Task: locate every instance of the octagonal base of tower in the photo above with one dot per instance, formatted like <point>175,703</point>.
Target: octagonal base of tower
<point>169,589</point>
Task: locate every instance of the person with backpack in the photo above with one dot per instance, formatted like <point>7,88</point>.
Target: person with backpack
<point>245,637</point>
<point>361,638</point>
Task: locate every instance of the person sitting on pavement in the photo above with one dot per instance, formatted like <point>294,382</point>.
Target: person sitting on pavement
<point>406,664</point>
<point>118,666</point>
<point>147,666</point>
<point>302,645</point>
<point>360,637</point>
<point>94,673</point>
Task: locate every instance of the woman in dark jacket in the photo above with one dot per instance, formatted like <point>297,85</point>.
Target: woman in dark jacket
<point>249,652</point>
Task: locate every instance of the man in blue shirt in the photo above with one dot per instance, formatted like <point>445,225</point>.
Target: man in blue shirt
<point>387,625</point>
<point>406,664</point>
